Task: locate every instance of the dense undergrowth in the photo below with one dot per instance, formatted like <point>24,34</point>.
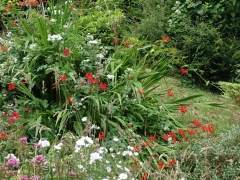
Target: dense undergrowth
<point>79,92</point>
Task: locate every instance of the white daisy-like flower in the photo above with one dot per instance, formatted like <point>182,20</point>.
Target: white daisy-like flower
<point>84,119</point>
<point>122,176</point>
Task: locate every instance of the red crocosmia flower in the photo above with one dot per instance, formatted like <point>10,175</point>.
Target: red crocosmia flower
<point>27,109</point>
<point>103,86</point>
<point>136,149</point>
<point>21,4</point>
<point>165,136</point>
<point>196,123</point>
<point>144,176</point>
<point>184,71</point>
<point>4,48</point>
<point>210,128</point>
<point>181,132</point>
<point>172,134</point>
<point>204,128</point>
<point>161,165</point>
<point>152,137</point>
<point>93,81</point>
<point>4,114</point>
<point>172,163</point>
<point>14,23</point>
<point>192,131</point>
<point>63,78</point>
<point>11,86</point>
<point>3,135</point>
<point>116,40</point>
<point>140,92</point>
<point>15,114</point>
<point>165,38</point>
<point>238,97</point>
<point>8,8</point>
<point>170,93</point>
<point>183,109</point>
<point>127,43</point>
<point>101,135</point>
<point>88,76</point>
<point>69,99</point>
<point>66,52</point>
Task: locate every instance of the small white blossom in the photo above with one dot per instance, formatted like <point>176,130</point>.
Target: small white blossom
<point>10,156</point>
<point>84,141</point>
<point>122,176</point>
<point>58,147</point>
<point>53,20</point>
<point>84,119</point>
<point>109,169</point>
<point>44,143</point>
<point>178,12</point>
<point>100,55</point>
<point>33,46</point>
<point>115,139</point>
<point>109,76</point>
<point>127,153</point>
<point>95,156</point>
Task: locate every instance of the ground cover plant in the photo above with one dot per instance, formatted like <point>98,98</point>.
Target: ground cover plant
<point>78,94</point>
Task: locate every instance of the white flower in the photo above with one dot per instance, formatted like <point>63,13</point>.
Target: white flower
<point>33,46</point>
<point>177,2</point>
<point>93,42</point>
<point>109,76</point>
<point>111,149</point>
<point>129,69</point>
<point>178,12</point>
<point>109,169</point>
<point>126,169</point>
<point>130,148</point>
<point>84,119</point>
<point>102,150</point>
<point>44,143</point>
<point>53,20</point>
<point>122,176</point>
<point>115,139</point>
<point>100,55</point>
<point>58,147</point>
<point>127,153</point>
<point>84,141</point>
<point>95,156</point>
<point>54,37</point>
<point>119,166</point>
<point>10,156</point>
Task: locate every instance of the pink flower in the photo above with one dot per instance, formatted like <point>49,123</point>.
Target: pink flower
<point>24,177</point>
<point>13,162</point>
<point>35,177</point>
<point>24,140</point>
<point>72,174</point>
<point>39,159</point>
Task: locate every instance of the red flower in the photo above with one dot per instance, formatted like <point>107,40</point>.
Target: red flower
<point>171,163</point>
<point>8,8</point>
<point>21,4</point>
<point>4,114</point>
<point>165,136</point>
<point>136,149</point>
<point>27,109</point>
<point>210,128</point>
<point>4,48</point>
<point>11,86</point>
<point>93,81</point>
<point>238,97</point>
<point>3,135</point>
<point>69,99</point>
<point>165,38</point>
<point>152,137</point>
<point>140,92</point>
<point>103,86</point>
<point>204,128</point>
<point>66,52</point>
<point>101,136</point>
<point>88,76</point>
<point>144,176</point>
<point>171,134</point>
<point>116,40</point>
<point>161,165</point>
<point>63,78</point>
<point>184,71</point>
<point>183,109</point>
<point>14,23</point>
<point>127,43</point>
<point>181,131</point>
<point>196,123</point>
<point>170,93</point>
<point>15,115</point>
<point>192,131</point>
